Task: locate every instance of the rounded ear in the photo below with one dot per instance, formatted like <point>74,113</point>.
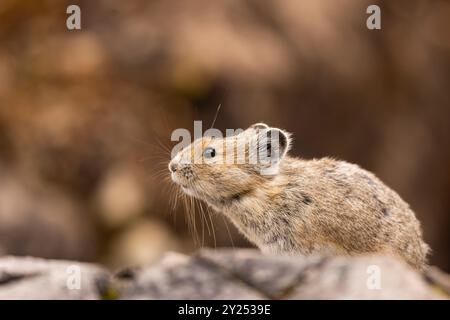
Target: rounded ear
<point>259,126</point>
<point>274,143</point>
<point>256,128</point>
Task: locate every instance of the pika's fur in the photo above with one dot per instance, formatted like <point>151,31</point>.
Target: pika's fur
<point>303,206</point>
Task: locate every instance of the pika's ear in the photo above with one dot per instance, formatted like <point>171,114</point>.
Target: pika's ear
<point>259,126</point>
<point>256,128</point>
<point>274,143</point>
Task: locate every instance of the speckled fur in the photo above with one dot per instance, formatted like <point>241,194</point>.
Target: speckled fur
<point>309,206</point>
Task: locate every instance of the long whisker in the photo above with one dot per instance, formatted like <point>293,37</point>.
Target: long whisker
<point>228,231</point>
<point>202,220</point>
<point>215,116</point>
<point>209,214</point>
<point>147,143</point>
<point>164,147</point>
<point>194,215</point>
<point>202,211</point>
<point>187,217</point>
<point>192,219</point>
<point>160,157</point>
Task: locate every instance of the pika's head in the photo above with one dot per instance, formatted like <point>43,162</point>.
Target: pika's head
<point>217,169</point>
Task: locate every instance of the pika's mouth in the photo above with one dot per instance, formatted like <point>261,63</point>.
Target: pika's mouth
<point>185,186</point>
<point>176,179</point>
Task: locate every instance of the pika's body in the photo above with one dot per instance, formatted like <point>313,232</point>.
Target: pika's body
<point>303,206</point>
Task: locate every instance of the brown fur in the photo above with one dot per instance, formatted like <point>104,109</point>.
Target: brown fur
<point>306,206</point>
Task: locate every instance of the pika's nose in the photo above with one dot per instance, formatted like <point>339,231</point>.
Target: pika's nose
<point>173,167</point>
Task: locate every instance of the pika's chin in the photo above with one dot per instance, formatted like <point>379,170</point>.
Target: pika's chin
<point>183,185</point>
<point>188,191</point>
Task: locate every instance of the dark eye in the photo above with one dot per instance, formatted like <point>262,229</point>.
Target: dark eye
<point>209,153</point>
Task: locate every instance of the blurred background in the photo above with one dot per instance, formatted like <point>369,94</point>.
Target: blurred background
<point>86,115</point>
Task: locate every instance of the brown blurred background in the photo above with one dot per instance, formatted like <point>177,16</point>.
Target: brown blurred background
<point>86,116</point>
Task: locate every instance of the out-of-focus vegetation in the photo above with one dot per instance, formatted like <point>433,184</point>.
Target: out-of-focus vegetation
<point>86,116</point>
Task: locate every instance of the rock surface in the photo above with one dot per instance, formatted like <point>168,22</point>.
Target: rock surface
<point>223,274</point>
<point>34,278</point>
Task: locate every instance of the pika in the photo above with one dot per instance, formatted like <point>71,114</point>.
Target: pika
<point>299,206</point>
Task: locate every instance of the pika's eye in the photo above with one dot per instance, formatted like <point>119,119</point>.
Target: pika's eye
<point>209,153</point>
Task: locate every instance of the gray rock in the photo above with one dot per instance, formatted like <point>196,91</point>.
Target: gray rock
<point>274,276</point>
<point>247,274</point>
<point>314,277</point>
<point>439,280</point>
<point>377,277</point>
<point>178,276</point>
<point>34,278</point>
<point>224,274</point>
